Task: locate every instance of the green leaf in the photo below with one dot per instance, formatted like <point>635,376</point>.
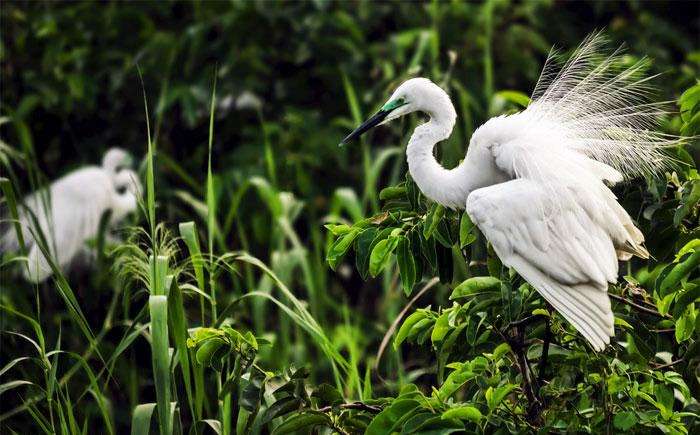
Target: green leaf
<point>363,245</point>
<point>464,412</point>
<point>340,247</point>
<point>206,351</point>
<point>432,219</point>
<point>687,297</point>
<point>158,307</point>
<point>689,102</point>
<point>393,192</point>
<point>500,350</point>
<point>252,393</point>
<point>474,285</point>
<point>141,419</point>
<point>383,422</point>
<point>407,265</point>
<point>381,255</point>
<point>624,420</point>
<point>281,407</point>
<point>178,330</point>
<point>306,419</point>
<point>441,328</point>
<point>494,397</point>
<point>455,380</point>
<point>690,198</point>
<point>326,395</point>
<point>685,325</point>
<point>338,229</point>
<point>670,280</point>
<point>407,326</point>
<point>466,231</point>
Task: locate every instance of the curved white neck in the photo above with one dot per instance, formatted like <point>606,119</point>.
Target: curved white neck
<point>449,187</point>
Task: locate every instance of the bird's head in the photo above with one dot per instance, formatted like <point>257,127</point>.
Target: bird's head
<point>418,94</point>
<point>128,189</point>
<point>116,159</point>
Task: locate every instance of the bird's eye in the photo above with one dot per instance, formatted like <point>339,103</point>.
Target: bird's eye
<point>400,101</point>
<point>121,190</point>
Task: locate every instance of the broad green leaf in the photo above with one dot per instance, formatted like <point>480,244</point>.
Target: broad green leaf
<point>687,297</point>
<point>464,412</point>
<point>340,247</point>
<point>407,265</point>
<point>474,285</point>
<point>338,229</point>
<point>670,280</point>
<point>206,351</point>
<point>383,422</point>
<point>494,397</point>
<point>466,231</point>
<point>326,395</point>
<point>407,326</point>
<point>624,420</point>
<point>432,219</point>
<point>281,407</point>
<point>392,192</point>
<point>689,102</point>
<point>455,380</point>
<point>685,325</point>
<point>441,328</point>
<point>500,350</point>
<point>306,419</point>
<point>363,249</point>
<point>381,255</point>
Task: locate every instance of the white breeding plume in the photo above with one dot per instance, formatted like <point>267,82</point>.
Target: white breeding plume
<point>68,213</point>
<point>534,182</point>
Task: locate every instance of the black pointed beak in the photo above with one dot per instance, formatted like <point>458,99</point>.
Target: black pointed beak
<point>367,125</point>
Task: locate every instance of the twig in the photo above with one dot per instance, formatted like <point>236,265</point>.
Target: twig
<point>395,323</point>
<point>671,364</point>
<point>639,307</point>
<point>355,405</point>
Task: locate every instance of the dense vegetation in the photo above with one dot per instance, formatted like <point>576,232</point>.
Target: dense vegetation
<point>274,282</point>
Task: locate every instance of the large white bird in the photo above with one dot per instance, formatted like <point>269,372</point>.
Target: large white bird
<point>68,213</point>
<point>536,182</point>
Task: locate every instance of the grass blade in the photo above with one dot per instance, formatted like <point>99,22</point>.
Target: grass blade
<point>141,419</point>
<point>158,305</point>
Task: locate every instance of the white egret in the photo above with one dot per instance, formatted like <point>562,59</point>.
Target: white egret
<point>76,203</point>
<point>535,182</point>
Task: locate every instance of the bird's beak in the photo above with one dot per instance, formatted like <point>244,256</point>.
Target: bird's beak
<point>371,122</point>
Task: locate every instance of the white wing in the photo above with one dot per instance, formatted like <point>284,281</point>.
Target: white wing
<point>76,203</point>
<point>560,227</point>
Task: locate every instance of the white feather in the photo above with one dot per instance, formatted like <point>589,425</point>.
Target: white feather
<point>599,105</point>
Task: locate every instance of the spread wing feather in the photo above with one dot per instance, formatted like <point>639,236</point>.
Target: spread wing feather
<point>563,253</point>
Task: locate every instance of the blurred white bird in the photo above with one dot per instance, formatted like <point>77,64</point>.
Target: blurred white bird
<point>535,182</point>
<point>76,202</point>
